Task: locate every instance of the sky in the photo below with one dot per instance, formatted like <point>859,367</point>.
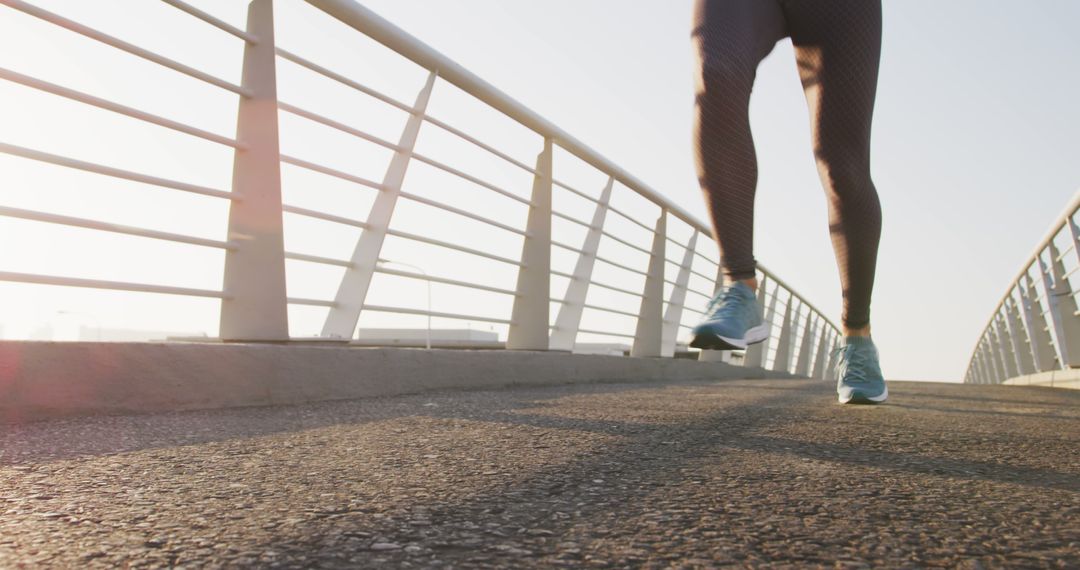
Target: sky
<point>974,153</point>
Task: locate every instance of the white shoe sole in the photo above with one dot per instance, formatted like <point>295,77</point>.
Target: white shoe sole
<point>875,399</point>
<point>753,336</point>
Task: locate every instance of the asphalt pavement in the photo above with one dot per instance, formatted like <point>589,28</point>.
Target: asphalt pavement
<point>732,473</point>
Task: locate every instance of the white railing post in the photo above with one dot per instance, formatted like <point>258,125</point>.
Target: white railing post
<point>782,360</point>
<point>993,347</point>
<point>995,351</point>
<point>760,351</point>
<point>1005,345</point>
<point>564,333</point>
<point>988,364</point>
<point>988,373</point>
<point>976,360</point>
<point>673,314</point>
<point>254,305</point>
<point>1041,346</point>
<point>830,369</point>
<point>992,362</point>
<point>819,331</point>
<point>1020,340</point>
<point>755,353</point>
<point>1062,309</point>
<point>819,359</point>
<point>352,291</point>
<point>649,334</point>
<point>803,366</point>
<point>976,369</point>
<point>532,304</point>
<point>1074,231</point>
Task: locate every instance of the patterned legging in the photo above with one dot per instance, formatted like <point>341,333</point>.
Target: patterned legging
<point>837,48</point>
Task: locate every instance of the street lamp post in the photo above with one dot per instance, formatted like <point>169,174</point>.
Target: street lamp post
<point>427,280</point>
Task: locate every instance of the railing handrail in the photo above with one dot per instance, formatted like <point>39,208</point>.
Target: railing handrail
<point>1051,233</point>
<point>1055,228</point>
<point>386,33</point>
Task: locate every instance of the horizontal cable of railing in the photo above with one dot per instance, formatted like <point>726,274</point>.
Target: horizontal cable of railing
<point>88,99</point>
<point>453,209</point>
<point>295,256</point>
<point>76,164</point>
<point>16,277</point>
<point>213,21</point>
<point>466,176</point>
<point>604,333</point>
<point>311,116</point>
<point>113,228</point>
<point>457,316</point>
<point>444,280</point>
<point>124,46</point>
<point>454,246</point>
<point>324,216</point>
<point>330,172</point>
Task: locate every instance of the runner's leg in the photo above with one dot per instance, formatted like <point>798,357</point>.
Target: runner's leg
<point>838,48</point>
<point>730,38</point>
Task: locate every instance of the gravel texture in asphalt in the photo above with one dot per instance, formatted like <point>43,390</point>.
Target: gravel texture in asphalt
<point>654,475</point>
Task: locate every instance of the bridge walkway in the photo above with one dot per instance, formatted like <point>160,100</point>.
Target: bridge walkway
<point>690,474</point>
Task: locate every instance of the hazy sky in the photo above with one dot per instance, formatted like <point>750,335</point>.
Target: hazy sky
<point>976,150</point>
<point>976,143</point>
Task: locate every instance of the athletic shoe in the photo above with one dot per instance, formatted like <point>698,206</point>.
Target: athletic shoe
<point>732,320</point>
<point>860,380</point>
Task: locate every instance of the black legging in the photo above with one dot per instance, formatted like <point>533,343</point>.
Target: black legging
<point>837,48</point>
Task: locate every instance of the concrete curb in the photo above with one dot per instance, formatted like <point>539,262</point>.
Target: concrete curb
<point>1054,379</point>
<point>44,380</point>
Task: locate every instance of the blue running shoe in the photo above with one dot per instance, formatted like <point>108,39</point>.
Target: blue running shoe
<point>860,380</point>
<point>732,320</point>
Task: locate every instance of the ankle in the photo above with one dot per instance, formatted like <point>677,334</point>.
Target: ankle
<point>859,331</point>
<point>751,283</point>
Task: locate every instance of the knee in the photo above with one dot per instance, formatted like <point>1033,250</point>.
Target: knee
<point>845,172</point>
<point>721,76</point>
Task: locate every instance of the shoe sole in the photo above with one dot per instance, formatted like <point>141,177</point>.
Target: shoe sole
<point>709,341</point>
<point>861,399</point>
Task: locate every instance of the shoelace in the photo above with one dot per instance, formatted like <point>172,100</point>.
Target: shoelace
<point>857,362</point>
<point>721,306</point>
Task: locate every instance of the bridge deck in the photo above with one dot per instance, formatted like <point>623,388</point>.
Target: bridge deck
<point>649,475</point>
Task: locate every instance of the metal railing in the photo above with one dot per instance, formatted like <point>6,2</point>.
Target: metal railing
<point>254,303</point>
<point>1035,327</point>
